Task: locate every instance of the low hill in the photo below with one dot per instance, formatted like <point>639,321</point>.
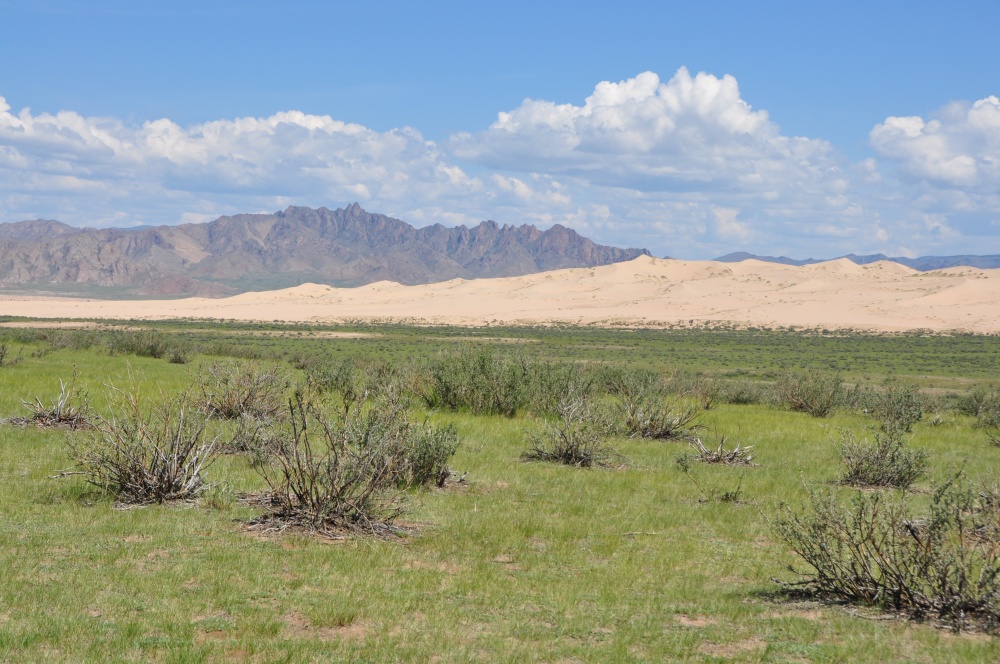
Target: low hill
<point>922,264</point>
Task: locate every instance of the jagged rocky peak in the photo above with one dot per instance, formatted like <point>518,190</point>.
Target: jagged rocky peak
<point>343,247</point>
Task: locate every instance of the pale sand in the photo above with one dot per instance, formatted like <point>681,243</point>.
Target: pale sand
<point>645,292</point>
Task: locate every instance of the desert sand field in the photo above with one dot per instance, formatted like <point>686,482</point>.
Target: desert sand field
<point>838,294</point>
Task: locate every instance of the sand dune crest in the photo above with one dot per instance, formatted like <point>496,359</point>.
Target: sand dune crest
<point>646,291</point>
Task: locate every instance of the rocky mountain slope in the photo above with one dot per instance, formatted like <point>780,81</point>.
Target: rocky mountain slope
<point>343,247</point>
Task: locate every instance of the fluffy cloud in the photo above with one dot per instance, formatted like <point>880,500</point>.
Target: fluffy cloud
<point>959,149</point>
<point>691,133</point>
<point>246,161</point>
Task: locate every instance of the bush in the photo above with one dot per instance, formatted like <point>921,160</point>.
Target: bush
<point>355,380</point>
<point>575,438</point>
<point>876,553</point>
<point>68,410</point>
<point>345,471</point>
<point>480,379</point>
<point>815,393</point>
<point>177,356</point>
<point>232,389</point>
<point>665,419</point>
<point>144,457</point>
<point>745,392</point>
<point>897,406</point>
<point>326,477</point>
<point>551,380</point>
<point>144,343</point>
<point>737,456</point>
<point>426,453</point>
<point>6,361</point>
<point>700,387</point>
<point>980,402</point>
<point>885,462</point>
<point>644,409</point>
<point>983,404</point>
<point>257,438</point>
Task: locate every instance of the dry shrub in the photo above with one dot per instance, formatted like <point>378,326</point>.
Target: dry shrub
<point>667,420</point>
<point>257,438</point>
<point>644,408</point>
<point>346,471</point>
<point>875,552</point>
<point>737,456</point>
<point>144,456</point>
<point>233,389</point>
<point>710,493</point>
<point>68,410</point>
<point>576,437</point>
<point>6,361</point>
<point>887,461</point>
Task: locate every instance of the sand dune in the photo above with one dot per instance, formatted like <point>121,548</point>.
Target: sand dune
<point>647,291</point>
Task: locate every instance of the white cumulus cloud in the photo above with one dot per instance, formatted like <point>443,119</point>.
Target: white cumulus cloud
<point>960,148</point>
<point>168,172</point>
<point>688,133</point>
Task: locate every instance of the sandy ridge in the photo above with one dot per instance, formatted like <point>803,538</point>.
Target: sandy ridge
<point>838,294</point>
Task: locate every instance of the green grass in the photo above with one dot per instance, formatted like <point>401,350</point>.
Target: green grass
<point>530,562</point>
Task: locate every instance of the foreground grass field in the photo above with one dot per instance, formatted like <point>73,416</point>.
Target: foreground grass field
<point>528,562</point>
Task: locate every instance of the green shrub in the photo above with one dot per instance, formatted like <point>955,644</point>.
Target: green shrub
<point>144,343</point>
<point>480,379</point>
<point>352,379</point>
<point>980,402</point>
<point>700,387</point>
<point>425,453</point>
<point>983,404</point>
<point>177,356</point>
<point>815,393</point>
<point>897,406</point>
<point>744,392</point>
<point>887,461</point>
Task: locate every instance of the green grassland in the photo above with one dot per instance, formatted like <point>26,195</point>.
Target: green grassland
<point>527,562</point>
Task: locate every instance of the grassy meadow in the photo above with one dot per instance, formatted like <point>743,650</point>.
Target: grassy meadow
<point>523,562</point>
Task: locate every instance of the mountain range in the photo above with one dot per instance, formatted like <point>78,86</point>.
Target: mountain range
<point>245,252</point>
<point>922,264</point>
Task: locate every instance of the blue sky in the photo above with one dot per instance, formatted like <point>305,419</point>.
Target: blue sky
<point>692,129</point>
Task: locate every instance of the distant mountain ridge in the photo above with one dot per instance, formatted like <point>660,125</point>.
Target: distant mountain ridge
<point>233,254</point>
<point>922,264</point>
